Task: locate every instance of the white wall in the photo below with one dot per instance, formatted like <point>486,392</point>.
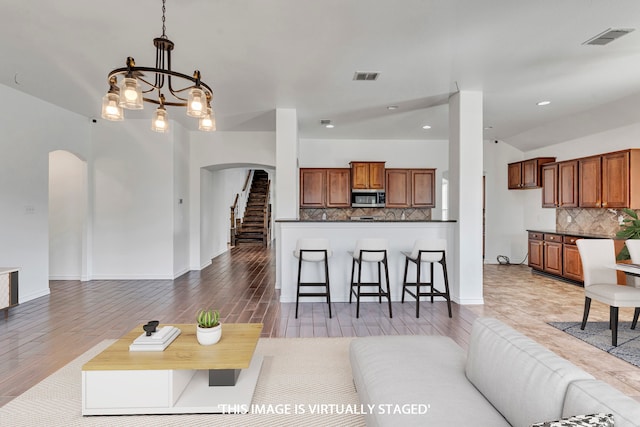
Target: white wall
<point>337,153</point>
<point>133,194</point>
<point>24,175</point>
<point>180,201</point>
<point>67,215</point>
<point>504,227</point>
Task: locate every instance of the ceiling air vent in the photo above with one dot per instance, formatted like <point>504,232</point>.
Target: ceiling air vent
<point>366,75</point>
<point>608,36</point>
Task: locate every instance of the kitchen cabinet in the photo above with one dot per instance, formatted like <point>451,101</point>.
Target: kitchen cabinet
<point>527,173</point>
<point>550,185</point>
<point>560,184</point>
<point>590,187</point>
<point>536,254</point>
<point>601,181</point>
<point>568,184</point>
<point>410,188</point>
<point>616,179</point>
<point>398,193</point>
<point>423,188</point>
<point>325,187</point>
<point>338,188</point>
<point>367,175</point>
<point>312,187</point>
<point>553,254</point>
<point>571,262</point>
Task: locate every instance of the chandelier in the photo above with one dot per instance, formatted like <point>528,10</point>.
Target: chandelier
<point>128,88</point>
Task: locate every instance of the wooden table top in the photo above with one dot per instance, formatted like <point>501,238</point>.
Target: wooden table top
<point>233,351</point>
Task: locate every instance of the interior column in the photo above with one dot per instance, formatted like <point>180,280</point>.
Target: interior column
<point>287,181</point>
<point>465,193</point>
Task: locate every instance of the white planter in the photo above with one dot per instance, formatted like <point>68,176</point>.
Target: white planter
<point>208,336</point>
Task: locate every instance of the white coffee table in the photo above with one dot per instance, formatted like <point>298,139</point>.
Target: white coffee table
<point>176,380</point>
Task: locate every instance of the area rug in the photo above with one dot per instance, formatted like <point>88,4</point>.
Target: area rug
<point>598,335</point>
<point>310,375</point>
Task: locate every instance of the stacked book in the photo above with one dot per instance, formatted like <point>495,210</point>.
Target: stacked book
<point>157,341</point>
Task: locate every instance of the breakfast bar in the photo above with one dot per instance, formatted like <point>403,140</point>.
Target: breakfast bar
<point>342,235</point>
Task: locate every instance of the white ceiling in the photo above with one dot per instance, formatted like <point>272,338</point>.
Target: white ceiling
<point>259,55</point>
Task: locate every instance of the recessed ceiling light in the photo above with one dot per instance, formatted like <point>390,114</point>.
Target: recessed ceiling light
<point>392,107</point>
<point>329,126</point>
<point>426,127</point>
<point>541,103</point>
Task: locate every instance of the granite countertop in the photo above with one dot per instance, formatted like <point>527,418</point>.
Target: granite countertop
<point>572,233</point>
<point>364,220</point>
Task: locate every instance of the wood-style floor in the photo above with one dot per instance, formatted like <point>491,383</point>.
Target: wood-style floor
<point>42,335</point>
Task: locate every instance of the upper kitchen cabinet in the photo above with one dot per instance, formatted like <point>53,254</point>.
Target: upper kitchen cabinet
<point>590,188</point>
<point>312,187</point>
<point>423,188</point>
<point>550,185</point>
<point>619,171</point>
<point>410,188</point>
<point>568,184</point>
<point>338,190</point>
<point>560,184</point>
<point>367,175</point>
<point>609,180</point>
<point>325,188</point>
<point>398,193</point>
<point>527,173</point>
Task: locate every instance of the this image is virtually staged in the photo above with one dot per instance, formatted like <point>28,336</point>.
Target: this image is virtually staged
<point>336,213</point>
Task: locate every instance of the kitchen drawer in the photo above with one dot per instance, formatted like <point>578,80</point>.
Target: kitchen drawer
<point>571,240</point>
<point>553,238</point>
<point>535,236</point>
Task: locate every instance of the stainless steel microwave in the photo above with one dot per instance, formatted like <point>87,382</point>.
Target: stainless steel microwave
<point>367,198</point>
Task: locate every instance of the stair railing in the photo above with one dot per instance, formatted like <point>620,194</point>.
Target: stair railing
<point>237,209</point>
<point>266,210</point>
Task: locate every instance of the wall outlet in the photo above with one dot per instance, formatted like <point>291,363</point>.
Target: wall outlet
<point>569,219</point>
<point>620,219</point>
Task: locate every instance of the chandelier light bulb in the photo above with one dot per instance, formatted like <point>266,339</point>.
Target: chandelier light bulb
<point>196,106</point>
<point>160,120</point>
<point>111,110</point>
<point>207,123</point>
<point>131,94</point>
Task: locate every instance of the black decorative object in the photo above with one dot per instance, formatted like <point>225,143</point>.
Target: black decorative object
<point>150,327</point>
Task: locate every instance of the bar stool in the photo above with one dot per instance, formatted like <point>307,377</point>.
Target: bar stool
<point>370,250</point>
<point>313,250</point>
<point>426,251</point>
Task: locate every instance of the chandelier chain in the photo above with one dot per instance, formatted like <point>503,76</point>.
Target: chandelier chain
<point>164,28</point>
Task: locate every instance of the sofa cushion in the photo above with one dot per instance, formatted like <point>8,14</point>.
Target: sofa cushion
<point>522,379</point>
<point>427,370</point>
<point>597,396</point>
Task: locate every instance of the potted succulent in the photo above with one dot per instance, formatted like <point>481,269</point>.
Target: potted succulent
<point>209,329</point>
<point>629,230</point>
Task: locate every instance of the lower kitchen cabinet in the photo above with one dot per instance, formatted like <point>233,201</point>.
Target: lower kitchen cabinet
<point>555,254</point>
<point>536,250</point>
<point>572,264</point>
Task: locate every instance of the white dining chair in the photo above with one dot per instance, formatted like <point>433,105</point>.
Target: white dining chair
<point>600,283</point>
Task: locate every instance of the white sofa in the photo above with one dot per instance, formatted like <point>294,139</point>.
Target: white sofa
<point>505,379</point>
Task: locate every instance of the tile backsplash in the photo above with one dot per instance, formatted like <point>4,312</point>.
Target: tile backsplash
<point>344,214</point>
<point>591,221</point>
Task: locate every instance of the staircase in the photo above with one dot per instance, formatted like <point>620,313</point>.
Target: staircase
<point>255,227</point>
